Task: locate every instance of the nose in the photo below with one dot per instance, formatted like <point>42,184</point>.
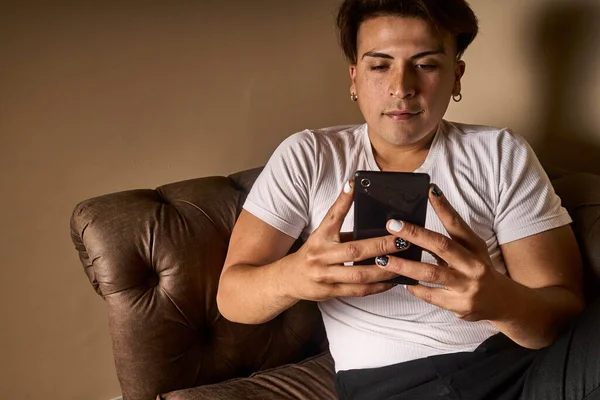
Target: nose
<point>403,83</point>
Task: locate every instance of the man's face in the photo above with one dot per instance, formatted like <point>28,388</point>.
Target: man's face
<point>404,77</point>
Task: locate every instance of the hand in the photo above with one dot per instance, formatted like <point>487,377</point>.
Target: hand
<point>317,271</point>
<point>471,287</point>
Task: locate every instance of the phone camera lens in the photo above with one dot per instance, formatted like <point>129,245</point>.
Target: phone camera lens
<point>365,183</point>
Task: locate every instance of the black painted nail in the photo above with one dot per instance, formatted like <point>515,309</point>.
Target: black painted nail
<point>401,244</point>
<point>436,191</point>
<point>382,261</point>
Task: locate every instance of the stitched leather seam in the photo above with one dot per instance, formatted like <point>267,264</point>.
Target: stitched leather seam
<point>178,309</point>
<point>205,214</point>
<point>595,391</point>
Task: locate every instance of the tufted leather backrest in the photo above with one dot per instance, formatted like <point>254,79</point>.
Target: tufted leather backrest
<point>155,256</point>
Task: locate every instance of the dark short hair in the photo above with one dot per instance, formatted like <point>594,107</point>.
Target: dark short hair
<point>454,17</point>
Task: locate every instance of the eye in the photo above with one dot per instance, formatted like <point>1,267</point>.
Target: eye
<point>426,67</point>
<point>379,67</point>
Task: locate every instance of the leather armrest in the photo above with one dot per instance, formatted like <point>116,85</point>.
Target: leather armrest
<point>155,256</point>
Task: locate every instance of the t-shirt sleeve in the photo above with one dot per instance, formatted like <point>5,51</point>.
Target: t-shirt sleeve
<point>526,201</point>
<point>281,194</point>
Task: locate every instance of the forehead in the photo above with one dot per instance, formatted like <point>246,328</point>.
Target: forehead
<point>393,32</point>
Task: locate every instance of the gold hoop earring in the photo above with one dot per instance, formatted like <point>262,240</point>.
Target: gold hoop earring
<point>457,97</point>
<point>353,97</point>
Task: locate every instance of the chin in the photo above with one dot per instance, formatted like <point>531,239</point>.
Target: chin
<point>412,133</point>
<point>404,137</point>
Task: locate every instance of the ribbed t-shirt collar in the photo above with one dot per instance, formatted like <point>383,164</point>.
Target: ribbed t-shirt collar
<point>429,160</point>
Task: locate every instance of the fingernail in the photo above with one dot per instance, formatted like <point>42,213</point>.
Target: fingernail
<point>405,287</point>
<point>436,191</point>
<point>396,225</point>
<point>401,244</point>
<point>347,187</point>
<point>382,261</point>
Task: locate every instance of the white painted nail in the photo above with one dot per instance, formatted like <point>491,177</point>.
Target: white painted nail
<point>405,287</point>
<point>396,226</point>
<point>347,187</point>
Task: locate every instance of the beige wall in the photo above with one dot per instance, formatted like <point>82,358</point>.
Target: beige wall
<point>536,68</point>
<point>112,97</point>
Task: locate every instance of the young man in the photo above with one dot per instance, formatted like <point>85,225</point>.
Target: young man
<point>503,274</point>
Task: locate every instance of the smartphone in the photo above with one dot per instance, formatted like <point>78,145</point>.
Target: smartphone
<point>380,196</point>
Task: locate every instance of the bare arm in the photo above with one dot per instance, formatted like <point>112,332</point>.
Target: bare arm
<point>546,289</point>
<point>250,294</point>
<point>531,308</point>
<point>259,281</point>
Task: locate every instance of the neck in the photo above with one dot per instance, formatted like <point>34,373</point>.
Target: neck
<point>395,158</point>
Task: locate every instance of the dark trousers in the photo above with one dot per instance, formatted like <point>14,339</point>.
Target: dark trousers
<point>498,369</point>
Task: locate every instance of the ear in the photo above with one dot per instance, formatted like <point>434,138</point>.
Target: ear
<point>459,71</point>
<point>352,70</point>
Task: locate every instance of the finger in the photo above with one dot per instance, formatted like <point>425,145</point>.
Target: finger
<point>355,290</point>
<point>422,272</point>
<point>355,274</point>
<point>460,306</point>
<point>332,223</point>
<point>437,259</point>
<point>456,226</point>
<point>447,300</point>
<point>447,249</point>
<point>358,250</point>
<point>439,297</point>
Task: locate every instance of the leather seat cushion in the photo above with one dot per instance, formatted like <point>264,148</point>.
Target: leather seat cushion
<point>312,378</point>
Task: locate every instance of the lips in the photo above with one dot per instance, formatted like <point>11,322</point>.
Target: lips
<point>403,114</point>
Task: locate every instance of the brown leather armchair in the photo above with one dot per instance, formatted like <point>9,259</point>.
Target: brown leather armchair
<point>155,257</point>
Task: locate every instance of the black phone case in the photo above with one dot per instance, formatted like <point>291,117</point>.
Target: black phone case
<point>381,196</point>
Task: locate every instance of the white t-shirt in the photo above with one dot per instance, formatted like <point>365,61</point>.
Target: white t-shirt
<point>491,177</point>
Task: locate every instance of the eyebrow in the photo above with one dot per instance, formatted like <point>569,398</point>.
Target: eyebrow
<point>415,57</point>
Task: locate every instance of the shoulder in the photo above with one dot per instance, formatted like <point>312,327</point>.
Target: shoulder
<point>478,133</point>
<point>489,140</point>
<point>338,136</point>
<point>316,151</point>
<point>323,145</point>
<point>328,136</point>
